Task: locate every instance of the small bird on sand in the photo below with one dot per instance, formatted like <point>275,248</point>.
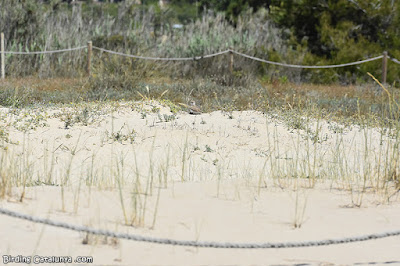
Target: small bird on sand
<point>193,109</point>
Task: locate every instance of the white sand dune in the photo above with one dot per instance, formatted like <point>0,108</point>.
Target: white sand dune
<point>237,177</point>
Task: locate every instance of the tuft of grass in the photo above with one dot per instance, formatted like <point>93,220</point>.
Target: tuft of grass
<point>67,175</point>
<point>208,149</point>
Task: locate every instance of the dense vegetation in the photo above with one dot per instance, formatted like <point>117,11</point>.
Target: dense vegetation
<point>308,32</point>
<point>295,31</point>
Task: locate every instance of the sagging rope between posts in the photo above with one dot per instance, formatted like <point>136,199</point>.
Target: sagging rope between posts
<point>192,243</point>
<point>303,66</point>
<point>202,57</point>
<point>198,57</point>
<point>162,58</point>
<point>47,52</point>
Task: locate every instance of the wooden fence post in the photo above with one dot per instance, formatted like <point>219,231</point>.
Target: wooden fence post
<point>89,57</point>
<point>231,60</point>
<point>384,67</point>
<point>3,69</point>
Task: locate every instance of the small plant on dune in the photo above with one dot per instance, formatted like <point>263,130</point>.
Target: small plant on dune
<point>169,118</point>
<point>173,107</point>
<point>155,109</point>
<point>122,135</point>
<point>81,114</point>
<point>82,117</point>
<point>294,121</point>
<point>31,121</point>
<point>314,136</point>
<point>208,149</point>
<point>336,128</point>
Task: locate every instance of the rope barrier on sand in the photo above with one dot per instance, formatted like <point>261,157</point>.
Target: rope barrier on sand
<point>192,243</point>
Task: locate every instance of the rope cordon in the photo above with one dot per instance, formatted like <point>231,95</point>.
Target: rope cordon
<point>302,66</point>
<point>237,53</point>
<point>161,58</point>
<point>394,60</point>
<point>47,52</point>
<point>191,243</point>
<point>205,56</point>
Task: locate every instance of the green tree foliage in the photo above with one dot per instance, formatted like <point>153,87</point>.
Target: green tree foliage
<point>233,8</point>
<point>338,31</point>
<point>323,22</point>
